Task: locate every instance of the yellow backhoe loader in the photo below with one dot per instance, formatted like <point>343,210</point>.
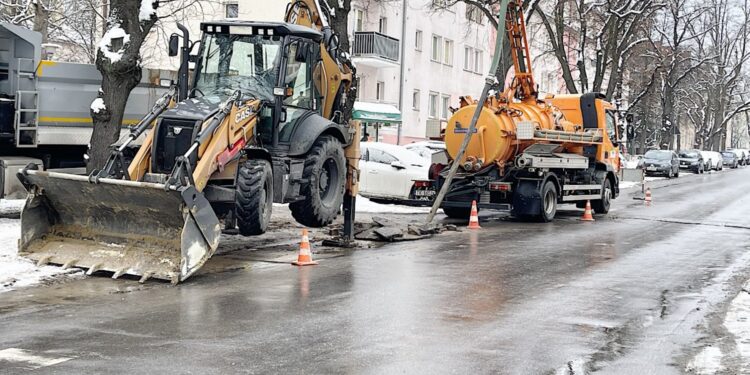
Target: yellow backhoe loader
<point>260,122</point>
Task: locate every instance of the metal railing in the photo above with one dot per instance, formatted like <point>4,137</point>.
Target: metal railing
<point>374,44</point>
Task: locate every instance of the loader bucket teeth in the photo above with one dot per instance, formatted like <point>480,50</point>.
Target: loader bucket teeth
<point>137,229</point>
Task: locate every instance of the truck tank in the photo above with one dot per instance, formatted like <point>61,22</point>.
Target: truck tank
<point>495,139</point>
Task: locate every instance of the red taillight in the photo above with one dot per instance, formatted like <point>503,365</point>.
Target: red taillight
<point>501,186</point>
<point>422,184</point>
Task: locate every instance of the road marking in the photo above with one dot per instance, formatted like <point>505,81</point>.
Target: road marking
<point>32,360</point>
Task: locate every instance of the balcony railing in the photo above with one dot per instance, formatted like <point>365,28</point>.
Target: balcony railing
<point>375,45</point>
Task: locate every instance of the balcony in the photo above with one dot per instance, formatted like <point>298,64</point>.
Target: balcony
<point>375,49</point>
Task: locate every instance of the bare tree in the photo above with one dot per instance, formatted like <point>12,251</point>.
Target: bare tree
<point>726,76</point>
<point>675,32</point>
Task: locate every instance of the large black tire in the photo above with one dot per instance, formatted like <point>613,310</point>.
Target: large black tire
<point>601,206</point>
<point>253,200</point>
<point>323,191</point>
<point>457,212</point>
<point>549,203</point>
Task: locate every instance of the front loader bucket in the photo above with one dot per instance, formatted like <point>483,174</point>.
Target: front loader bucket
<point>124,227</point>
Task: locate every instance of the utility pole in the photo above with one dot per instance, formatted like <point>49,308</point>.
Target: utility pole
<point>403,68</point>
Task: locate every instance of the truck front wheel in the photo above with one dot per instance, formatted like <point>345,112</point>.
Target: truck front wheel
<point>601,206</point>
<point>325,179</point>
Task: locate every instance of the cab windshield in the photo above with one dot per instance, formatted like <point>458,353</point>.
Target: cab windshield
<point>249,63</point>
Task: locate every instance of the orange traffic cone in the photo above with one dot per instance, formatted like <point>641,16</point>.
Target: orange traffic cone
<point>305,256</point>
<point>587,215</point>
<point>474,218</point>
<point>648,196</point>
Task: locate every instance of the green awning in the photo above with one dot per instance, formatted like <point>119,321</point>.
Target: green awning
<point>376,112</point>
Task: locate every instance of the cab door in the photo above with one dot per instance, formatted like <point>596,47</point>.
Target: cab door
<point>610,150</point>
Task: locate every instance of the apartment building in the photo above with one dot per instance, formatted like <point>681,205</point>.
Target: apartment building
<point>419,59</point>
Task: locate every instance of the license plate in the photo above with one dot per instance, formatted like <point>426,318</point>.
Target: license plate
<point>424,193</point>
<point>651,168</point>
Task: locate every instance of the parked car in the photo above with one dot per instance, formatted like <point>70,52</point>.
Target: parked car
<point>387,172</point>
<point>425,149</point>
<point>730,159</point>
<point>741,155</point>
<point>714,160</point>
<point>693,161</point>
<point>661,162</point>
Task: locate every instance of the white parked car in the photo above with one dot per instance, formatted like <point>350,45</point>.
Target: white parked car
<point>714,160</point>
<point>388,171</point>
<point>425,149</point>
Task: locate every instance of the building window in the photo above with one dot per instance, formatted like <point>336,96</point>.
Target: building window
<point>437,44</point>
<point>380,91</point>
<point>468,58</point>
<point>357,87</point>
<point>448,52</point>
<point>478,59</point>
<point>383,25</point>
<point>474,14</point>
<point>359,20</point>
<point>232,10</point>
<point>433,105</point>
<point>445,106</point>
<point>415,100</point>
<point>418,40</point>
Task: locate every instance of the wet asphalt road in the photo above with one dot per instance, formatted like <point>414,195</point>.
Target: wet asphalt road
<point>637,292</point>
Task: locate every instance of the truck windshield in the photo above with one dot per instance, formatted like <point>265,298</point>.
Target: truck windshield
<point>249,63</point>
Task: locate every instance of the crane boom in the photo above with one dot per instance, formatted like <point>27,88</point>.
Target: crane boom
<point>523,86</point>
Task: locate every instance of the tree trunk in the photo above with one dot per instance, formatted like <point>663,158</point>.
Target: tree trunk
<point>41,20</point>
<point>340,25</point>
<point>120,67</point>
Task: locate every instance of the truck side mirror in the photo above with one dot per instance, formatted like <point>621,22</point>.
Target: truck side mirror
<point>174,45</point>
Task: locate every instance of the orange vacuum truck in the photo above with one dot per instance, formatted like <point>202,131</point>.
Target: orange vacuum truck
<point>526,155</point>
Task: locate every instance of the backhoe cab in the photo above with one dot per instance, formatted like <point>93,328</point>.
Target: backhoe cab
<point>254,127</point>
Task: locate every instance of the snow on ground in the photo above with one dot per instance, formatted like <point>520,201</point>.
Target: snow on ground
<point>628,184</point>
<point>708,361</point>
<point>367,206</point>
<point>737,322</point>
<point>15,271</point>
<point>11,206</point>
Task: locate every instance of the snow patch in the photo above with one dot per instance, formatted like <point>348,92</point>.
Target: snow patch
<point>628,184</point>
<point>147,10</point>
<point>737,322</point>
<point>11,206</point>
<point>98,105</point>
<point>708,361</point>
<point>105,45</point>
<point>365,205</point>
<point>15,271</point>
